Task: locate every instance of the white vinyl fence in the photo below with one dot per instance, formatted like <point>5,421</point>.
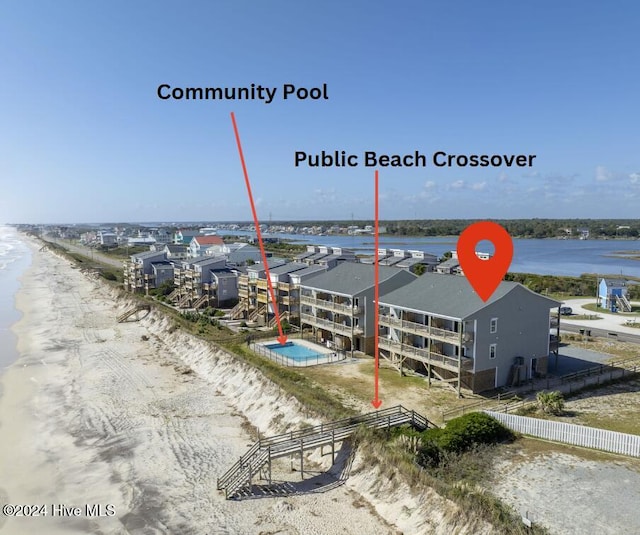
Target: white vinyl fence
<point>578,435</point>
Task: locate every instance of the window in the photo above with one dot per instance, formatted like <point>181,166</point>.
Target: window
<point>492,351</point>
<point>493,327</point>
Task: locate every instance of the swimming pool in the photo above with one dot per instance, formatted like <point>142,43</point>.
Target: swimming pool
<point>294,351</point>
<point>297,353</point>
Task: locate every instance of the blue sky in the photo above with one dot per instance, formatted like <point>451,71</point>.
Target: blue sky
<point>85,138</point>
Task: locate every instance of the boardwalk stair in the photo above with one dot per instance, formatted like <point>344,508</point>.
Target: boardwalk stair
<point>132,311</point>
<point>237,481</point>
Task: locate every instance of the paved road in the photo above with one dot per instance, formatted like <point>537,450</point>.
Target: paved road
<point>613,333</point>
<point>608,323</point>
<point>86,251</point>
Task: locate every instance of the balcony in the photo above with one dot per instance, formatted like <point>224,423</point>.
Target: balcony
<point>330,325</point>
<point>349,310</point>
<point>422,354</point>
<point>435,333</point>
<point>262,284</point>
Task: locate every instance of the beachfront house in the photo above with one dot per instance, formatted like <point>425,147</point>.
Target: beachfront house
<point>238,254</point>
<point>613,294</point>
<point>176,252</point>
<point>437,325</point>
<point>200,244</point>
<point>108,239</point>
<point>184,236</point>
<point>337,305</point>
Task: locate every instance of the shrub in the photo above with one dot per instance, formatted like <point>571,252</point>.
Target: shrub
<point>109,276</point>
<point>460,435</point>
<point>550,402</point>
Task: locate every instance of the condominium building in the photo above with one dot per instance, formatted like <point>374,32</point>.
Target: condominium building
<point>337,305</point>
<point>138,270</point>
<point>439,326</point>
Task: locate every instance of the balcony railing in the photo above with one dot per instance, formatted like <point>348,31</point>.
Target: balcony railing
<point>420,329</point>
<point>330,325</point>
<point>350,310</point>
<point>424,355</point>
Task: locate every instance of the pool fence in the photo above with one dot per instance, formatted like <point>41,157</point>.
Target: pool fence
<point>311,360</point>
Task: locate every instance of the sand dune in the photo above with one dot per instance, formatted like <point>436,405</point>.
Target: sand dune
<point>93,414</point>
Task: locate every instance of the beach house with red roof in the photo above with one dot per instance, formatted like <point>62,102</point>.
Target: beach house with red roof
<point>200,244</point>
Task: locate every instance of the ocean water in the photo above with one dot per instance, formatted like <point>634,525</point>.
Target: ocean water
<point>15,258</point>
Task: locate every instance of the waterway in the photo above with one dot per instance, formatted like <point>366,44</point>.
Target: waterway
<point>544,257</point>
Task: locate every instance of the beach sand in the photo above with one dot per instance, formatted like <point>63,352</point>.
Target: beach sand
<point>92,413</point>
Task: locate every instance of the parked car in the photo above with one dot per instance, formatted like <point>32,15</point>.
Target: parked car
<point>566,311</point>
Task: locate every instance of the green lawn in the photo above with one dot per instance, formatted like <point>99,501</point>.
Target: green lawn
<point>600,310</point>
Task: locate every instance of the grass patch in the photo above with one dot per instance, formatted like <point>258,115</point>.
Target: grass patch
<point>635,310</point>
<point>623,422</point>
<point>307,392</point>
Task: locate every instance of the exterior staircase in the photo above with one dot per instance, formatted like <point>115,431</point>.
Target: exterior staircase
<point>273,321</point>
<point>257,313</point>
<point>174,295</point>
<point>237,481</point>
<point>623,303</point>
<point>184,301</point>
<point>237,311</point>
<point>202,300</point>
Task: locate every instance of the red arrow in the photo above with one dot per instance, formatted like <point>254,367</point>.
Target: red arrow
<point>376,294</point>
<point>283,337</point>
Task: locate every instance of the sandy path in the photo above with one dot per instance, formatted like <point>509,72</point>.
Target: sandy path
<point>571,495</point>
<point>92,414</point>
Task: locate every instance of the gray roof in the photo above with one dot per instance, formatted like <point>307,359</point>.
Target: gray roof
<point>175,248</point>
<point>412,261</point>
<point>391,260</point>
<point>287,268</point>
<point>448,295</point>
<point>301,256</point>
<point>162,265</point>
<point>146,255</point>
<point>271,263</point>
<point>224,273</point>
<point>203,260</point>
<point>372,259</point>
<point>351,278</point>
<point>616,283</point>
<point>316,256</point>
<point>450,263</point>
<point>315,268</point>
<point>331,257</point>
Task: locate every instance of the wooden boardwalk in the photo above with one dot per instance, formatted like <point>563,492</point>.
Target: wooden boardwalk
<point>238,479</point>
